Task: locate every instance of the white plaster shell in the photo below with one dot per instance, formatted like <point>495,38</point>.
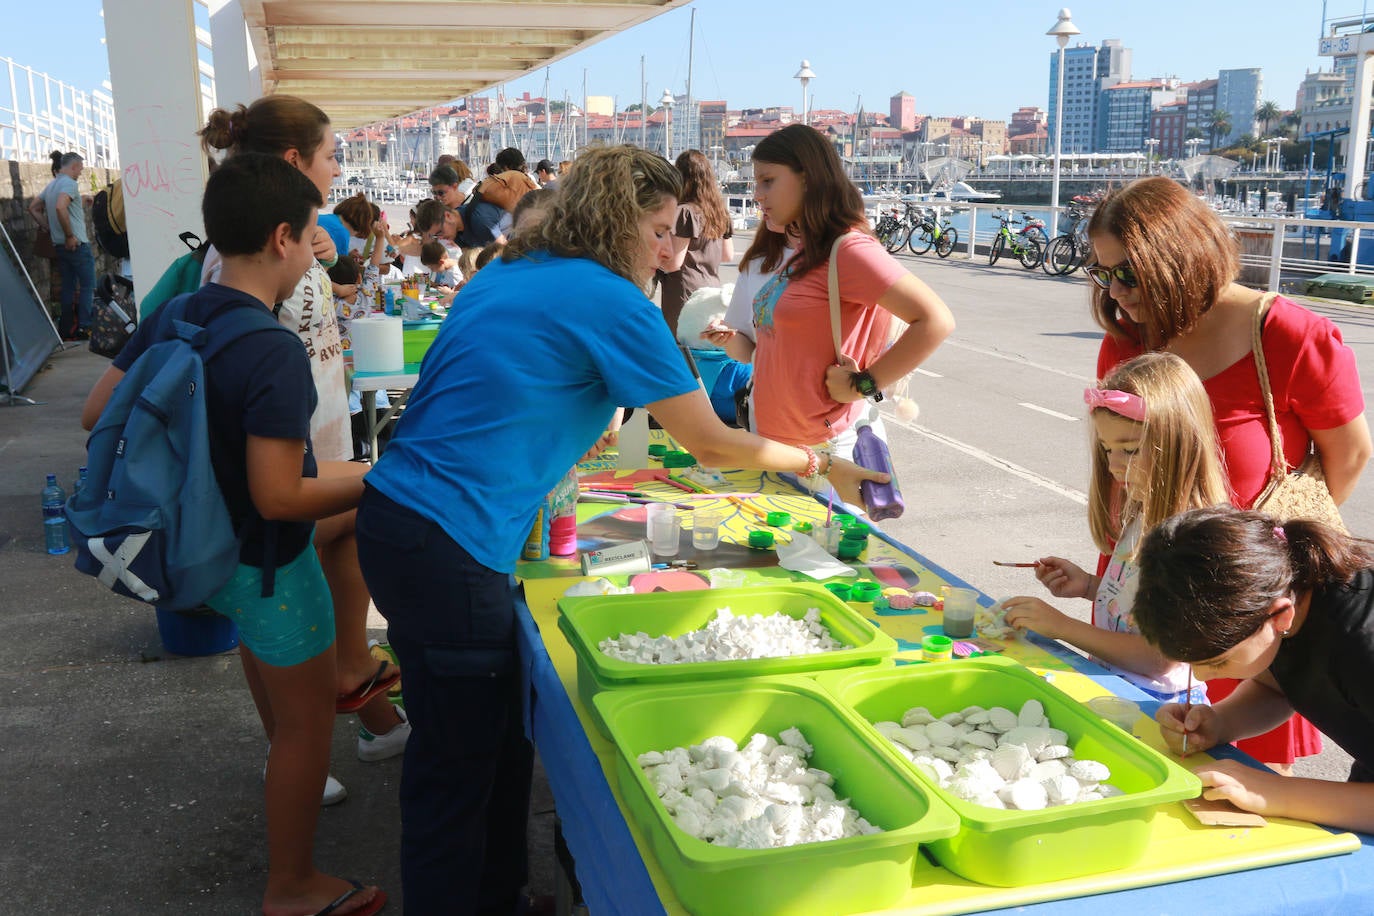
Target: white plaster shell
<point>1089,771</point>
<point>1002,719</point>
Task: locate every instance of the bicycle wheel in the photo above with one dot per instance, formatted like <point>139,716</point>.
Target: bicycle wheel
<point>945,244</point>
<point>886,226</point>
<point>899,237</point>
<point>1029,254</point>
<point>1061,257</point>
<point>921,240</point>
<point>998,244</point>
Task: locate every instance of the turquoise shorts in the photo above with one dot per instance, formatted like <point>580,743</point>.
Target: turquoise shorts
<point>292,626</point>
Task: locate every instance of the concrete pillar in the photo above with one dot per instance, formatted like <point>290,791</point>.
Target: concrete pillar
<point>154,70</point>
<point>238,80</point>
<point>1359,127</point>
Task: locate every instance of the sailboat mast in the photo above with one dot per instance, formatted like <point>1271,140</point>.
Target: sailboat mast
<point>643,106</point>
<point>687,141</point>
<point>548,118</point>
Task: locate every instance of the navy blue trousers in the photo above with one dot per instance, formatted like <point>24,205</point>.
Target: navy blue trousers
<point>465,778</point>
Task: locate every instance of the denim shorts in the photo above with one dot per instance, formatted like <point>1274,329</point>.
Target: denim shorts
<point>292,626</point>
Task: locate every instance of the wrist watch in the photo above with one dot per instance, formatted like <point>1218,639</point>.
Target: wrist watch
<point>864,384</point>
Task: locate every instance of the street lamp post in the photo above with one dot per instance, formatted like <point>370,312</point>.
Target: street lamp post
<point>1151,144</point>
<point>1063,30</point>
<point>667,103</point>
<point>805,75</point>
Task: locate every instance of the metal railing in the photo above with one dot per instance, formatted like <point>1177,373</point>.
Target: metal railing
<point>1268,256</point>
<point>39,114</point>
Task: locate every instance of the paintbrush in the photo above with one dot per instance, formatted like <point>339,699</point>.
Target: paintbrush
<point>746,507</point>
<point>1016,565</point>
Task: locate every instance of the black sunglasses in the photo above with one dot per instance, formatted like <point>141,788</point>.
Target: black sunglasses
<point>1103,276</point>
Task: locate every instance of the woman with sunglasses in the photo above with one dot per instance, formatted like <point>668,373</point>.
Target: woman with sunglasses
<point>1165,279</point>
<point>1290,609</point>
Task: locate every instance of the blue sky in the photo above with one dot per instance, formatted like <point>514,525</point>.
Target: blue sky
<point>983,59</point>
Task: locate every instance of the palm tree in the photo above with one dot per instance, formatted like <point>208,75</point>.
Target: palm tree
<point>1290,124</point>
<point>1219,125</point>
<point>1267,114</point>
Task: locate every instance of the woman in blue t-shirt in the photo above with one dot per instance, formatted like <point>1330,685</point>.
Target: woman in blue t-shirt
<point>558,332</point>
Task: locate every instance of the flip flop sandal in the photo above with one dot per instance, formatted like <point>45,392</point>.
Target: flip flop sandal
<point>383,654</point>
<point>373,906</point>
<point>356,700</point>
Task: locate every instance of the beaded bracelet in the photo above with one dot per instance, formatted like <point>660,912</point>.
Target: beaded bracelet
<point>813,461</point>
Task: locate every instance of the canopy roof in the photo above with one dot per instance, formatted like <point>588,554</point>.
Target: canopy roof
<point>368,60</point>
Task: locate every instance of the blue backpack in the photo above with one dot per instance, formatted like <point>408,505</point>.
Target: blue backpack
<point>151,522</point>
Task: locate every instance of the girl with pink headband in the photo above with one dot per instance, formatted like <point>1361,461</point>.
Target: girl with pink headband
<point>1155,454</point>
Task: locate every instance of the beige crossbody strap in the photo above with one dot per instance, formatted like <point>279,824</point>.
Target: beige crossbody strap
<point>835,295</point>
<point>1278,465</point>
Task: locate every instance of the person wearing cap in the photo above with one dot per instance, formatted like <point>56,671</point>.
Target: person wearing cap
<point>546,173</point>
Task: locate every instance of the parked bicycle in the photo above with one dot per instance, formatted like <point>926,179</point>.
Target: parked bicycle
<point>1067,252</point>
<point>933,230</point>
<point>903,228</point>
<point>1034,227</point>
<point>892,230</point>
<point>1025,248</point>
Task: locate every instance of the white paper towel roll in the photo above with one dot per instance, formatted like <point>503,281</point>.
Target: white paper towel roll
<point>377,344</point>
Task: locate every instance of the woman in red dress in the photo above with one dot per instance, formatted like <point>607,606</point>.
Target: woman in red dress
<point>1165,279</point>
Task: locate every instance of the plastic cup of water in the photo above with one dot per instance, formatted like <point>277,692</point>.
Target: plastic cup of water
<point>726,578</point>
<point>829,536</point>
<point>960,606</point>
<point>1120,711</point>
<point>652,513</point>
<point>706,528</point>
<point>667,536</point>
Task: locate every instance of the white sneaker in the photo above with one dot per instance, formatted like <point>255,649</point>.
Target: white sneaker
<point>334,791</point>
<point>380,747</point>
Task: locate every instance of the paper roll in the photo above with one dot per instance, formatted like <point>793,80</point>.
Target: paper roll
<point>378,344</point>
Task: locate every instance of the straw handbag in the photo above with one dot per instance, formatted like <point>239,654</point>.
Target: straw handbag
<point>1301,493</point>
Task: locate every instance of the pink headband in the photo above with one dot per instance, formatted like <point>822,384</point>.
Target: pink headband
<point>1124,403</point>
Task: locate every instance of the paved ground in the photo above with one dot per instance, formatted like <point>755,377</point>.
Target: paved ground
<point>132,778</point>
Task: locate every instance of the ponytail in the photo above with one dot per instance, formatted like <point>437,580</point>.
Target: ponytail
<point>1321,554</point>
<point>272,125</point>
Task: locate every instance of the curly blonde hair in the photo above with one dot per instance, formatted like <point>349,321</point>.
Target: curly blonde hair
<point>597,209</point>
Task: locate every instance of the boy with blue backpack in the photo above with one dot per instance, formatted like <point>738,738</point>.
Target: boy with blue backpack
<point>258,395</point>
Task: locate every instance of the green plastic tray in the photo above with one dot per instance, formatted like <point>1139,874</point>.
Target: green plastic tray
<point>1015,848</point>
<point>587,621</point>
<point>840,876</point>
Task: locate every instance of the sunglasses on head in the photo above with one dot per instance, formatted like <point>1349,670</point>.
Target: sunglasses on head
<point>1103,276</point>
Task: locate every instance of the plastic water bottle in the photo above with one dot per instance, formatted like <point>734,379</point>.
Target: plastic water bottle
<point>79,483</point>
<point>54,520</point>
<point>881,500</point>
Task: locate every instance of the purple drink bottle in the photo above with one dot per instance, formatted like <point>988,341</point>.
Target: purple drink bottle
<point>881,500</point>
